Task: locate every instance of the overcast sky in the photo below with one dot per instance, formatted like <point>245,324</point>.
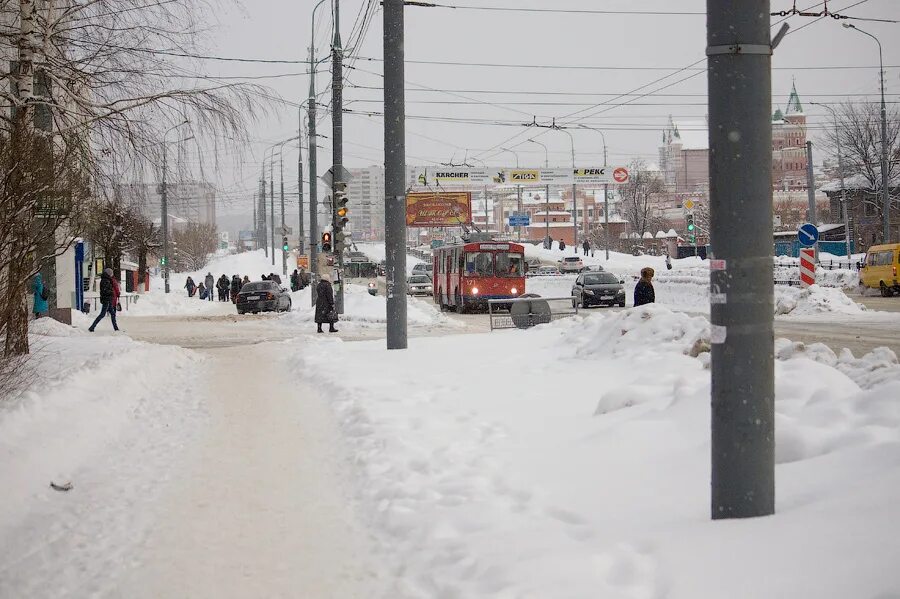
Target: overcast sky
<point>643,48</point>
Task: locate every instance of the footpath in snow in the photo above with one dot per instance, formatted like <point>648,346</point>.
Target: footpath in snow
<point>572,461</point>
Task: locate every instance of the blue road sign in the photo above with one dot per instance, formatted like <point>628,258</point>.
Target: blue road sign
<point>519,221</point>
<point>808,235</point>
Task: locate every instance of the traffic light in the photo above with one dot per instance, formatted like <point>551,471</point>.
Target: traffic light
<point>691,228</point>
<point>326,241</point>
<point>162,261</point>
<point>341,215</point>
<point>284,244</point>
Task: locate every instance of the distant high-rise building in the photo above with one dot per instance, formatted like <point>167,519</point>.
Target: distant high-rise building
<point>188,202</point>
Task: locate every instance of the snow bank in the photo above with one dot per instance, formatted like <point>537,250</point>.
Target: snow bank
<point>360,308</point>
<point>376,252</point>
<point>572,461</point>
<point>814,300</point>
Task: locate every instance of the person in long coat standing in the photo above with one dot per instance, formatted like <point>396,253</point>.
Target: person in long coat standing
<point>325,311</point>
<point>40,304</point>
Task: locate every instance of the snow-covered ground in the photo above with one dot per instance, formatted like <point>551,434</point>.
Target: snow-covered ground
<point>572,460</point>
<point>566,461</point>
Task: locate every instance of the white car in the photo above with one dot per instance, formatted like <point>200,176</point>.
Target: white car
<point>547,271</point>
<point>570,264</point>
<point>418,285</point>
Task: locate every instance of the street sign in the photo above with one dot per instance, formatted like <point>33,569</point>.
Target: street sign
<point>285,230</point>
<point>328,177</point>
<point>519,220</point>
<point>807,267</point>
<point>808,234</point>
<point>620,175</point>
<point>689,204</point>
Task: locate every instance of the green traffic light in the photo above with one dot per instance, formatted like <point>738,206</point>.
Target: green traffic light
<point>691,227</point>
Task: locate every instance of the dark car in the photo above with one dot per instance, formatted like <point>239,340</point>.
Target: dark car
<point>263,296</point>
<point>597,289</point>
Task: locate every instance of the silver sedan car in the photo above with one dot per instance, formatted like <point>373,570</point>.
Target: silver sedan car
<point>418,285</point>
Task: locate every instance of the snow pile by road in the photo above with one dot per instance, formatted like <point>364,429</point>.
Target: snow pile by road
<point>572,461</point>
<point>787,268</point>
<point>814,300</point>
<point>360,308</point>
<point>108,415</point>
<point>376,252</point>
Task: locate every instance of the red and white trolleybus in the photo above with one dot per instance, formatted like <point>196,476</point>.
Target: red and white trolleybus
<point>467,275</point>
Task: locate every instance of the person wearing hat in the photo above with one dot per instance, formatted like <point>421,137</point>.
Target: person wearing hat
<point>108,299</point>
<point>325,311</point>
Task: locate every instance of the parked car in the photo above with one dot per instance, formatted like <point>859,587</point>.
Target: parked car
<point>418,285</point>
<point>263,296</point>
<point>570,264</point>
<point>545,271</point>
<point>423,268</point>
<point>593,268</point>
<point>597,289</point>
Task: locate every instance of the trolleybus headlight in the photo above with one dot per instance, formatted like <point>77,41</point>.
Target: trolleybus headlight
<point>474,290</point>
<point>514,291</point>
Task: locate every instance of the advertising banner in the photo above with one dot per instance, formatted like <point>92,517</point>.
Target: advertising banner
<point>456,176</point>
<point>538,176</point>
<point>603,175</point>
<point>438,208</point>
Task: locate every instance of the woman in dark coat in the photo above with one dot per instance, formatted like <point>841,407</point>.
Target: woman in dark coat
<point>325,305</point>
<point>643,291</point>
<point>235,288</point>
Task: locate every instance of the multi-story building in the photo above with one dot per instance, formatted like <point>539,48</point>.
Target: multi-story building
<point>684,153</point>
<point>789,160</point>
<point>366,194</point>
<point>187,202</point>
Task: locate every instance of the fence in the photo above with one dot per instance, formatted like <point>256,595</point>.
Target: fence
<point>527,311</point>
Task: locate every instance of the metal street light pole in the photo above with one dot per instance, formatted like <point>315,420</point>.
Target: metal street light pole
<point>518,194</point>
<point>546,194</point>
<point>164,204</point>
<point>885,184</point>
<point>574,191</point>
<point>605,190</point>
<point>313,172</point>
<point>844,207</point>
<point>300,179</point>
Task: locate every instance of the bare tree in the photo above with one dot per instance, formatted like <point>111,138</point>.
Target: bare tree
<point>144,239</point>
<point>195,241</point>
<point>98,82</point>
<point>637,197</point>
<point>859,131</point>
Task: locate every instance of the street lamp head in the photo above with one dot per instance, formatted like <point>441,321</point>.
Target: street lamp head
<point>848,25</point>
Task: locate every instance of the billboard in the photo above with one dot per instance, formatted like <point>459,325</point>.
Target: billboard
<point>438,209</point>
<point>455,176</point>
<point>485,177</point>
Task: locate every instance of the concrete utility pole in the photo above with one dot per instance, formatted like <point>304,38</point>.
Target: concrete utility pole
<point>337,146</point>
<point>885,183</point>
<point>395,174</point>
<point>844,207</point>
<point>313,173</point>
<point>262,206</point>
<point>272,201</point>
<point>739,76</point>
<point>283,233</point>
<point>574,193</point>
<point>300,179</point>
<point>164,204</point>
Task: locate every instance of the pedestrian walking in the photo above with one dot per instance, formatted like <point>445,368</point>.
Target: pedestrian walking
<point>245,281</point>
<point>325,312</point>
<point>295,280</point>
<point>209,281</point>
<point>190,286</point>
<point>41,295</point>
<point>668,261</point>
<point>562,245</point>
<point>202,292</point>
<point>586,246</point>
<point>109,299</point>
<point>235,288</point>
<point>643,291</point>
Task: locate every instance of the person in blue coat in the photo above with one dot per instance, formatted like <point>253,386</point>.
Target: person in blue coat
<point>40,304</point>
